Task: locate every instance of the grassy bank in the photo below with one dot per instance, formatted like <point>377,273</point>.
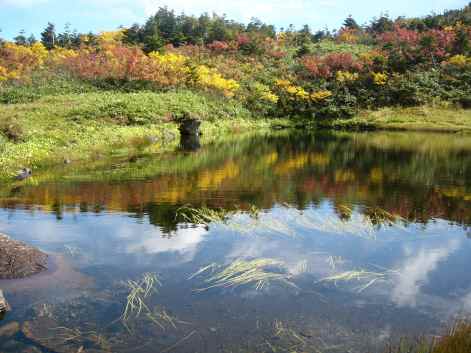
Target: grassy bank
<point>92,126</point>
<point>423,118</point>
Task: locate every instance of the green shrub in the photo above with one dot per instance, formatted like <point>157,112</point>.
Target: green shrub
<point>11,130</point>
<point>42,84</point>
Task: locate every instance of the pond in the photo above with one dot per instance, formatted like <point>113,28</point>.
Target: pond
<point>283,242</point>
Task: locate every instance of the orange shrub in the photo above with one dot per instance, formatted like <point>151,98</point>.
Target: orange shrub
<point>18,61</point>
<point>117,62</point>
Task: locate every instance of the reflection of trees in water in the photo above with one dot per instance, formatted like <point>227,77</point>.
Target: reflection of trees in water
<point>403,174</point>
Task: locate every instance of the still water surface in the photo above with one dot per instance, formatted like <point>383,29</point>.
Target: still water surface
<point>359,238</point>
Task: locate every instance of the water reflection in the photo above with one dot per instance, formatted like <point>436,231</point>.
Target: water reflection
<point>418,265</point>
<point>371,236</point>
<point>417,180</point>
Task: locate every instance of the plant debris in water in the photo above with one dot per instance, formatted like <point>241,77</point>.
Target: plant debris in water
<point>368,277</point>
<point>258,272</point>
<point>202,215</point>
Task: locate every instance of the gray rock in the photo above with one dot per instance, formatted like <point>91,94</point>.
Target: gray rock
<point>9,329</point>
<point>23,174</point>
<point>18,260</point>
<point>3,303</point>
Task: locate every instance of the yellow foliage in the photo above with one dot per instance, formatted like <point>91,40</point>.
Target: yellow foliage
<point>376,175</point>
<point>321,95</point>
<point>283,83</point>
<point>270,159</point>
<point>17,61</point>
<point>57,55</point>
<point>169,58</point>
<point>345,76</point>
<point>39,51</point>
<point>172,62</point>
<point>348,36</point>
<point>210,78</point>
<point>344,176</point>
<point>111,36</point>
<point>292,164</point>
<point>295,91</point>
<point>459,61</point>
<point>214,178</point>
<point>264,93</point>
<point>319,159</point>
<point>302,94</point>
<point>380,78</point>
<point>3,74</point>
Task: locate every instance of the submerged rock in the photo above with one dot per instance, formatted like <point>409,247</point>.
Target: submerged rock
<point>18,260</point>
<point>44,332</point>
<point>9,330</point>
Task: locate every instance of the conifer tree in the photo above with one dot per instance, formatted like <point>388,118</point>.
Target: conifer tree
<point>48,36</point>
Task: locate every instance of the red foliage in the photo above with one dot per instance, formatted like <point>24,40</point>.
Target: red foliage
<point>243,39</point>
<point>400,36</point>
<point>219,46</point>
<point>326,66</point>
<point>419,46</point>
<point>117,62</point>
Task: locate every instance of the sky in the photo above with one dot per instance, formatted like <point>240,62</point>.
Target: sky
<point>101,15</point>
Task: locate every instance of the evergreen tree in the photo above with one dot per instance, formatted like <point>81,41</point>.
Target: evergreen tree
<point>21,39</point>
<point>381,24</point>
<point>48,36</point>
<point>350,23</point>
<point>31,39</point>
<point>64,39</point>
<point>133,34</point>
<point>75,39</point>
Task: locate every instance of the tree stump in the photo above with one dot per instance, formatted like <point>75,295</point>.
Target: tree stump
<point>190,133</point>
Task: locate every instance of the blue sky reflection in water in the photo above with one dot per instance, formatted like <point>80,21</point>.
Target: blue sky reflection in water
<point>357,281</point>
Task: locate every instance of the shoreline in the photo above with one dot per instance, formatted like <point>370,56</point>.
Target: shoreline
<point>66,129</point>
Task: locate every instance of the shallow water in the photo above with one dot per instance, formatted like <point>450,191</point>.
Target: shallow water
<point>390,209</point>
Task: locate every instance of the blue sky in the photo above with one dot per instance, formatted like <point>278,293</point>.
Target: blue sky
<point>98,15</point>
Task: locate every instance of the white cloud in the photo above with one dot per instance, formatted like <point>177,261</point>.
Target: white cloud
<point>416,270</point>
<point>467,302</point>
<point>186,241</point>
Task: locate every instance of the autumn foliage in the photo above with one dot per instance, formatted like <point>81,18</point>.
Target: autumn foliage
<point>287,73</point>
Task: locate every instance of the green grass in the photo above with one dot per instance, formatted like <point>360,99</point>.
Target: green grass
<point>418,118</point>
<point>93,125</point>
<point>329,46</point>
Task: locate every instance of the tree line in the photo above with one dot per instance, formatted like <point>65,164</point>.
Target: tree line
<point>167,27</point>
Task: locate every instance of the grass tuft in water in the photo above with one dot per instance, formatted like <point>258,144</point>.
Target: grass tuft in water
<point>139,291</point>
<point>368,277</point>
<point>202,215</point>
<point>258,272</point>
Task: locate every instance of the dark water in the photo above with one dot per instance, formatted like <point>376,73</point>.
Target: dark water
<point>364,236</point>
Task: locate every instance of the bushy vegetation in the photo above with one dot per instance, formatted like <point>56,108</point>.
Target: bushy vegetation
<point>91,126</point>
<point>405,62</point>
